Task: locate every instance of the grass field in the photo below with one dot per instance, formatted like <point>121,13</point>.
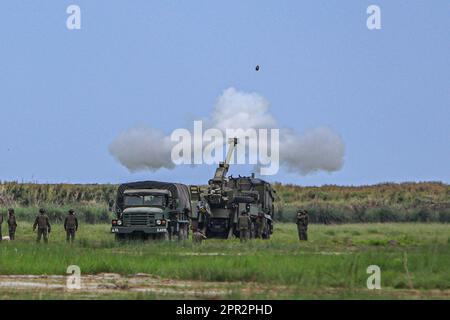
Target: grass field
<point>414,261</point>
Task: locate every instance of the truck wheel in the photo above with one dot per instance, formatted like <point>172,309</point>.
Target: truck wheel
<point>182,234</point>
<point>267,233</point>
<point>119,237</point>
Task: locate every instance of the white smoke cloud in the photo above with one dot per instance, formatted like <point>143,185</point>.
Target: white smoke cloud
<point>319,149</point>
<point>241,110</point>
<point>143,148</point>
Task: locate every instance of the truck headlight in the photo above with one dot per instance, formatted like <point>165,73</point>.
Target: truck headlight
<point>158,222</point>
<point>119,222</point>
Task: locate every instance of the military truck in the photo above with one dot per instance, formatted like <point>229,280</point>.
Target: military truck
<point>152,210</point>
<point>217,207</point>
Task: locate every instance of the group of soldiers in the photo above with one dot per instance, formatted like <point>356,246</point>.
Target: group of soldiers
<point>42,225</point>
<point>43,228</point>
<point>245,227</point>
<point>248,230</point>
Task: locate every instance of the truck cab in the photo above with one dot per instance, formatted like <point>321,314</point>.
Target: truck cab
<point>151,210</point>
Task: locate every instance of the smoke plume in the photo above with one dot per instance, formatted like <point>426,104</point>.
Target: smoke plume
<point>143,148</point>
<point>240,110</point>
<point>319,149</point>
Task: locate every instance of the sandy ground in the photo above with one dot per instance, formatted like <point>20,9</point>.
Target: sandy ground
<point>103,283</point>
<point>111,285</point>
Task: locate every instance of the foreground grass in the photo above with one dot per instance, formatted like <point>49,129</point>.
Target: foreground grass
<point>413,258</point>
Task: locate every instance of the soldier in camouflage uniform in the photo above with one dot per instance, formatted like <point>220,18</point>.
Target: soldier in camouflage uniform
<point>244,224</point>
<point>12,224</point>
<point>71,226</point>
<point>302,225</point>
<point>259,224</point>
<point>203,215</point>
<point>43,226</point>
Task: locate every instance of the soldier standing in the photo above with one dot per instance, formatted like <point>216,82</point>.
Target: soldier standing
<point>12,224</point>
<point>244,224</point>
<point>43,226</point>
<point>71,226</point>
<point>302,225</point>
<point>259,225</point>
<point>203,214</point>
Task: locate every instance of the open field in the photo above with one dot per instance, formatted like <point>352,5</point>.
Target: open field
<point>414,261</point>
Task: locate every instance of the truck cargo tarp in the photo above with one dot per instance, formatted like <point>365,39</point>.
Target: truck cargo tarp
<point>179,191</point>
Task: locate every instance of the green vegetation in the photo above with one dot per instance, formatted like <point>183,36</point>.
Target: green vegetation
<point>406,202</point>
<point>332,264</point>
<point>89,201</point>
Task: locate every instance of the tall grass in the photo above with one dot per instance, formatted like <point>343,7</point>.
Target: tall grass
<point>405,202</point>
<point>334,257</point>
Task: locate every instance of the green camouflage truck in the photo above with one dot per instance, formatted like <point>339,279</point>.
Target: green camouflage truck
<point>152,210</point>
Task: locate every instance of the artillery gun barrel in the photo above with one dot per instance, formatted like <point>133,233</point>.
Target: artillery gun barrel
<point>222,170</point>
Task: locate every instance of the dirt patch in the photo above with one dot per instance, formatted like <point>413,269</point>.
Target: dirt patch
<point>111,284</point>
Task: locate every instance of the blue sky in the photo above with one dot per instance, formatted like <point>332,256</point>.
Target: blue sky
<point>66,95</point>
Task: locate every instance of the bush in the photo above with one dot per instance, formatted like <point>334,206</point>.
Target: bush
<point>383,214</point>
<point>444,216</point>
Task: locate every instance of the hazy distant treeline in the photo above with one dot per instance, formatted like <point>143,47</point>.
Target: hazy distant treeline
<point>406,202</point>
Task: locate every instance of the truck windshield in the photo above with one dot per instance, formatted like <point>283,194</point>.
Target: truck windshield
<point>145,200</point>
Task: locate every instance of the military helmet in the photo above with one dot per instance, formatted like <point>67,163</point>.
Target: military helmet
<point>41,210</point>
<point>71,211</point>
<point>11,210</point>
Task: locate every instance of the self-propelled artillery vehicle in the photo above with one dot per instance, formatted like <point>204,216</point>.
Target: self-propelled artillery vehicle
<point>217,207</point>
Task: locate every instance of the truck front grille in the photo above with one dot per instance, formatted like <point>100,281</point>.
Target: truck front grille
<point>139,219</point>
